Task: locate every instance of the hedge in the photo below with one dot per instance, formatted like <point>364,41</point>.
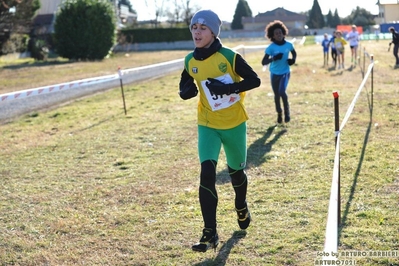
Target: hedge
<point>156,35</point>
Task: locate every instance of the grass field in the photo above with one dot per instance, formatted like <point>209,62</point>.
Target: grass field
<point>83,184</point>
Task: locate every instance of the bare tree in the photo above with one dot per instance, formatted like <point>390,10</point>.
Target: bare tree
<point>159,9</point>
<point>174,14</point>
<point>188,11</point>
<point>180,11</point>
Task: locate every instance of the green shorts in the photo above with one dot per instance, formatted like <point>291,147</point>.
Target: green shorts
<point>234,142</point>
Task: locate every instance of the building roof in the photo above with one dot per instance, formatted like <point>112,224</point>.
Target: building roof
<point>46,19</point>
<point>387,2</point>
<point>276,14</point>
<point>125,13</point>
<point>48,6</point>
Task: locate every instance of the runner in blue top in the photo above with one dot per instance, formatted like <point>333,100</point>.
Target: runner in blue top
<point>326,45</point>
<point>276,54</point>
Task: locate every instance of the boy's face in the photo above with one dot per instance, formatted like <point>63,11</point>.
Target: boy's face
<point>202,35</point>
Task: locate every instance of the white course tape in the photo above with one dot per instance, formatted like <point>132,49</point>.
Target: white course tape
<point>53,88</point>
<point>149,70</point>
<point>331,236</point>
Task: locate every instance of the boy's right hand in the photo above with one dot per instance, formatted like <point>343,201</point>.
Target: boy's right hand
<point>188,90</point>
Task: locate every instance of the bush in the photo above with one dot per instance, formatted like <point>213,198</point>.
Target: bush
<point>16,43</point>
<point>85,29</point>
<point>156,35</point>
<point>39,49</point>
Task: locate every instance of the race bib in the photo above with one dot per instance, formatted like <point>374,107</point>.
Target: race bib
<point>218,102</point>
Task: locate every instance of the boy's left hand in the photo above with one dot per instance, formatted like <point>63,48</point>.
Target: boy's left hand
<point>217,87</point>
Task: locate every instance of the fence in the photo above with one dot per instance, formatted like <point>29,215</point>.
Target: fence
<point>55,94</point>
<point>38,98</point>
<point>378,36</point>
<point>334,208</point>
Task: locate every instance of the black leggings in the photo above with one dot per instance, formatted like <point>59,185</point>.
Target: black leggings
<point>395,53</point>
<point>208,195</point>
<point>279,86</point>
<point>334,55</point>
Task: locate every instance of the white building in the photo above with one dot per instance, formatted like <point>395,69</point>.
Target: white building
<point>388,11</point>
<point>43,22</point>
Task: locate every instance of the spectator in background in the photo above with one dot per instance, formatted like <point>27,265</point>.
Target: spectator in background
<point>353,38</point>
<point>326,45</point>
<point>377,32</point>
<point>395,42</point>
<point>333,50</point>
<point>340,46</point>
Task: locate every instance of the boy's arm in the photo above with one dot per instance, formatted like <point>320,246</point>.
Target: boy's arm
<point>250,78</point>
<point>187,87</point>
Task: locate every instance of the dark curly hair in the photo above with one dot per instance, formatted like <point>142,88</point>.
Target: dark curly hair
<point>277,24</point>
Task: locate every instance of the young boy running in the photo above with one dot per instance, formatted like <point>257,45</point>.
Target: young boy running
<point>354,39</point>
<point>333,50</point>
<point>340,46</point>
<point>326,46</point>
<point>221,76</point>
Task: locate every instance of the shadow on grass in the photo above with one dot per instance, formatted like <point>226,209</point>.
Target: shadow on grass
<point>100,122</point>
<point>354,183</point>
<point>337,72</point>
<point>256,153</point>
<point>350,69</point>
<point>224,251</point>
<point>37,64</point>
<point>260,148</point>
<point>332,68</point>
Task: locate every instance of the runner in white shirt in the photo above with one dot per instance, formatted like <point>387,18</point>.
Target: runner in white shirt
<point>353,38</point>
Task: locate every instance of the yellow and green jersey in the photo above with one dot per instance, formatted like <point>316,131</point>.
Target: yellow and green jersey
<point>340,43</point>
<point>217,111</point>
